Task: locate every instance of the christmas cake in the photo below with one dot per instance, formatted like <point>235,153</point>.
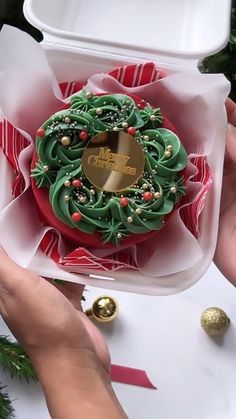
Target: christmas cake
<point>108,170</point>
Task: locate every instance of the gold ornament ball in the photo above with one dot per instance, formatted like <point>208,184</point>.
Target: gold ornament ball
<point>104,309</point>
<point>65,141</point>
<point>67,120</point>
<point>89,313</point>
<point>167,153</point>
<point>153,118</point>
<point>99,111</point>
<point>67,183</point>
<point>88,95</point>
<point>214,321</point>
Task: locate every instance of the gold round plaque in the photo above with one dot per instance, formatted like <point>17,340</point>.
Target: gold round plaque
<point>113,161</point>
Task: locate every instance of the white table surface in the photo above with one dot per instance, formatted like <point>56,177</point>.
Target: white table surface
<point>195,374</point>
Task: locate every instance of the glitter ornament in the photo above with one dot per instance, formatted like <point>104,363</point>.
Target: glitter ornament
<point>214,321</point>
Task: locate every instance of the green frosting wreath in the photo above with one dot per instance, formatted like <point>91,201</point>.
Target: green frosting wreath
<point>141,208</point>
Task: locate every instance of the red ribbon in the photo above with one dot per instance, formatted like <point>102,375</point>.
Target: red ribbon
<point>132,376</point>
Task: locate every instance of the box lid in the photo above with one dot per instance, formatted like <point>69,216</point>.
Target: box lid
<point>186,30</point>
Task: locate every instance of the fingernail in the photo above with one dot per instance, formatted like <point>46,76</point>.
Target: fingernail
<point>232,129</point>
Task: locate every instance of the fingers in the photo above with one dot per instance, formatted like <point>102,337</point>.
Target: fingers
<point>231,111</point>
<point>231,144</point>
<point>12,276</point>
<point>230,152</point>
<point>73,292</point>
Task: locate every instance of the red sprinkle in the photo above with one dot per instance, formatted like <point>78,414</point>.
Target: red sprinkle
<point>124,202</point>
<point>83,135</point>
<point>76,217</point>
<point>40,132</point>
<point>131,131</point>
<point>148,196</point>
<point>76,183</point>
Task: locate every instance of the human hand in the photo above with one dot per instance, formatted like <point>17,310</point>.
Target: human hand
<point>67,351</point>
<point>225,251</point>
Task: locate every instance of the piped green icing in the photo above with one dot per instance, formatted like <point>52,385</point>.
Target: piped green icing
<point>101,211</point>
<point>44,177</point>
<point>152,117</point>
<point>114,232</point>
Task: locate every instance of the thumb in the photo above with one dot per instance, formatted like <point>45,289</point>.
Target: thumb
<point>10,273</point>
<point>231,143</point>
<point>72,291</point>
<point>231,111</point>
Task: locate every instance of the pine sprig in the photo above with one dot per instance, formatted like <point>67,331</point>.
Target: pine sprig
<point>225,60</point>
<point>6,409</point>
<point>14,359</point>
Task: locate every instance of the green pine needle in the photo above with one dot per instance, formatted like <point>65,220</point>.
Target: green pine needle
<point>14,359</point>
<point>6,409</point>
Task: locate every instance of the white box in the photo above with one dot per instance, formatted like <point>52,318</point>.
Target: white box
<point>83,37</point>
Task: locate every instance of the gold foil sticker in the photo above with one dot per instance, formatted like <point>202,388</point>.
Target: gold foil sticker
<point>113,161</point>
